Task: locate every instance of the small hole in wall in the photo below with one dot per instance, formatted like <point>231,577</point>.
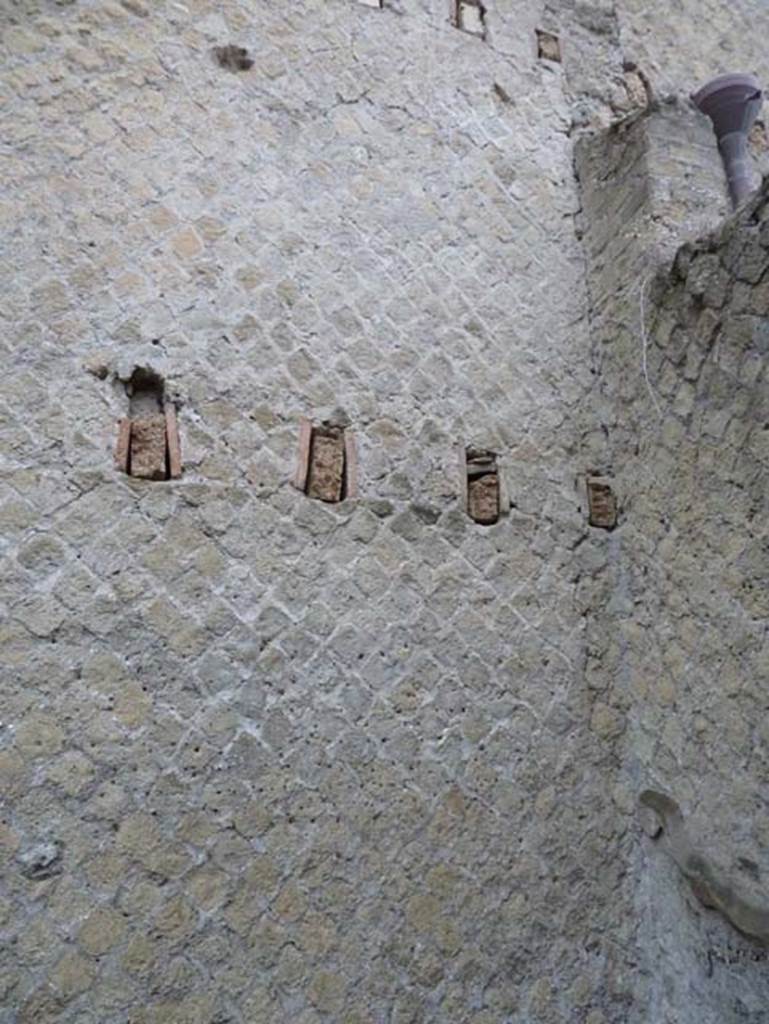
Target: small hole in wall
<point>482,475</point>
<point>327,468</point>
<point>148,438</point>
<point>548,46</point>
<point>470,16</point>
<point>233,58</point>
<point>146,392</point>
<point>602,504</point>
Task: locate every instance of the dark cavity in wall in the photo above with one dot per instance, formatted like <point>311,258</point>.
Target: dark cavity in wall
<point>233,58</point>
<point>146,392</point>
<point>482,486</point>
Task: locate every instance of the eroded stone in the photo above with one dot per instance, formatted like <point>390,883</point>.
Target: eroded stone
<point>325,478</point>
<point>148,447</point>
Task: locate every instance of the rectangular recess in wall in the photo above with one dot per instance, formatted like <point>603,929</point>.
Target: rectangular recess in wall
<point>602,505</point>
<point>469,16</point>
<point>548,46</point>
<point>148,446</point>
<point>327,466</point>
<point>482,477</point>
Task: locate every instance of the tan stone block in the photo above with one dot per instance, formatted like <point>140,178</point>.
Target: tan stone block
<point>129,283</point>
<point>107,870</point>
<point>177,920</point>
<point>606,722</point>
<point>12,773</point>
<point>210,228</point>
<point>148,447</point>
<point>423,912</point>
<point>208,888</point>
<point>327,992</point>
<point>132,705</point>
<point>325,477</point>
<point>39,736</point>
<point>140,954</point>
<point>187,244</point>
<point>138,834</point>
<point>103,929</point>
<point>19,40</point>
<point>162,219</point>
<point>9,838</point>
<point>72,771</point>
<point>290,904</point>
<point>317,935</point>
<point>72,975</point>
<point>86,57</point>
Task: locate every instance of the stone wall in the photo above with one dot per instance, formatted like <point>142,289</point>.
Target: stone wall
<point>267,758</point>
<point>680,652</point>
<point>271,759</point>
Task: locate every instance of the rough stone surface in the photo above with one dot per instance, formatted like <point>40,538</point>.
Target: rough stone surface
<point>369,761</point>
<point>325,476</point>
<point>483,498</point>
<point>41,861</point>
<point>680,657</point>
<point>148,447</point>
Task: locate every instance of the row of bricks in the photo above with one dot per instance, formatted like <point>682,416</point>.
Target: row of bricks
<point>148,447</point>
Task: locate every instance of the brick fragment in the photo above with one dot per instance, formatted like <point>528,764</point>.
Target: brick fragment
<point>602,504</point>
<point>123,445</point>
<point>173,443</point>
<point>326,472</point>
<point>148,447</point>
<point>350,465</point>
<point>303,461</point>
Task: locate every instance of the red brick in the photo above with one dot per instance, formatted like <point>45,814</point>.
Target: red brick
<point>303,462</point>
<point>174,445</point>
<point>350,465</point>
<point>123,445</point>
